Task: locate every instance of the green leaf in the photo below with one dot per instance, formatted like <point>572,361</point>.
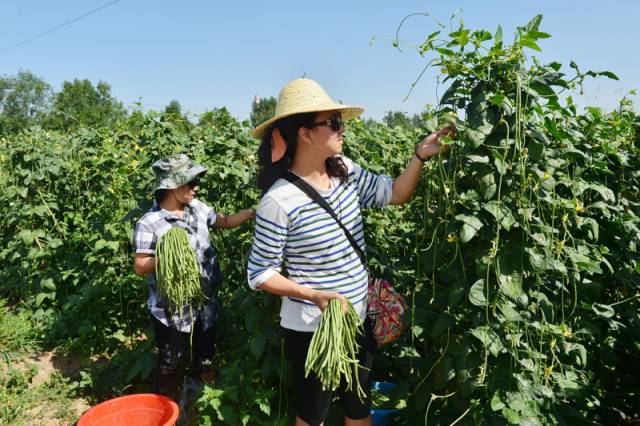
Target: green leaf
<point>253,320</point>
<point>607,74</point>
<point>509,311</point>
<point>538,261</point>
<point>542,89</point>
<point>40,297</point>
<point>606,193</point>
<point>227,414</point>
<point>477,293</point>
<point>501,165</point>
<point>527,42</point>
<point>481,159</point>
<point>558,266</point>
<point>456,293</point>
<point>26,236</point>
<point>581,358</point>
<point>257,345</point>
<point>442,323</point>
<point>467,232</point>
<point>501,213</point>
<point>481,36</point>
<point>475,137</point>
<point>488,186</point>
<point>496,402</point>
<point>511,416</point>
<point>417,331</point>
<point>604,311</point>
<point>534,24</point>
<point>489,339</point>
<point>470,227</point>
<point>265,407</point>
<point>538,35</point>
<point>593,227</point>
<point>48,283</point>
<point>509,274</point>
<point>498,38</point>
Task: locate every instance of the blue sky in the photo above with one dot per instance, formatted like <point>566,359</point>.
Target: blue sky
<point>209,54</point>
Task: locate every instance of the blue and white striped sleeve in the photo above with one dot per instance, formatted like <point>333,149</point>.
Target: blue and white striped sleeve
<point>269,239</point>
<point>373,190</point>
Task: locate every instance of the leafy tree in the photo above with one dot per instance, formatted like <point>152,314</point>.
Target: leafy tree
<point>397,118</point>
<point>24,98</point>
<point>80,103</point>
<point>173,107</point>
<point>262,109</point>
<point>401,119</point>
<point>173,113</point>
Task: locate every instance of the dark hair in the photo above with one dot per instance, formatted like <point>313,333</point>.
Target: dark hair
<point>270,172</point>
<point>160,195</point>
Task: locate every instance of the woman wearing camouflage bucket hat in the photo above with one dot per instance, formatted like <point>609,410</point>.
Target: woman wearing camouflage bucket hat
<point>176,205</point>
<point>302,146</point>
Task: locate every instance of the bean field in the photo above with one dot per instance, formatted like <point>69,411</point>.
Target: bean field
<point>518,254</point>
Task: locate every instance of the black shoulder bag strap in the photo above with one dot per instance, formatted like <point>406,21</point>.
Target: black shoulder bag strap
<point>313,194</point>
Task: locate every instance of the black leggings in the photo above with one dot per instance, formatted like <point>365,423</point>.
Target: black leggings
<point>312,403</point>
<point>175,354</point>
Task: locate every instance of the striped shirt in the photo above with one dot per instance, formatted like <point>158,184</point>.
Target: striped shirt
<point>198,218</point>
<point>293,231</point>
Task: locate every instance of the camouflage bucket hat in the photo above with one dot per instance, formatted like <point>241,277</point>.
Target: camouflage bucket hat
<point>173,172</point>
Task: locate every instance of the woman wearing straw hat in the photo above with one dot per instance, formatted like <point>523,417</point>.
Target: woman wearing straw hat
<point>187,334</point>
<point>305,137</point>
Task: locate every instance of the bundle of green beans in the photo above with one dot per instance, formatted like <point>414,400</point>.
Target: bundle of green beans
<point>178,274</point>
<point>333,352</point>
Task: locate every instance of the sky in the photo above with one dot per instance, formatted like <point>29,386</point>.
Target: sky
<point>210,54</point>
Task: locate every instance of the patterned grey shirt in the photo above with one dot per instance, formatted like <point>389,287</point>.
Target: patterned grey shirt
<point>198,218</point>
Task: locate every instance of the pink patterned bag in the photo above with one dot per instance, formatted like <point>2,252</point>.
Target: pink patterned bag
<point>385,308</point>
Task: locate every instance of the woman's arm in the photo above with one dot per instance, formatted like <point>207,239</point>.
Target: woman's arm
<point>405,184</point>
<point>233,220</point>
<point>144,264</point>
<point>281,286</point>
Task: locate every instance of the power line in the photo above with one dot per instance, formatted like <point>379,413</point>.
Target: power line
<point>42,34</point>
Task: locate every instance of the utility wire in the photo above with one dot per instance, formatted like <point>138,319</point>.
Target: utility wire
<point>42,34</point>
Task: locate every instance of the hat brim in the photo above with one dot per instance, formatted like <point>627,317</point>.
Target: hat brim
<point>348,113</point>
<point>194,173</point>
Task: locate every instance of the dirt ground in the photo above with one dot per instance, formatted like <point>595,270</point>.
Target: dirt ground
<point>46,365</point>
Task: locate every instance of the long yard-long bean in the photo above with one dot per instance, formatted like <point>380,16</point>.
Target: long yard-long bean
<point>178,274</point>
<point>333,351</point>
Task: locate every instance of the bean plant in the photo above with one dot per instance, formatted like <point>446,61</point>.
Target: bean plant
<point>518,254</point>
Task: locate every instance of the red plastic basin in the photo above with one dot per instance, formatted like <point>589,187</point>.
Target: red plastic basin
<point>143,409</point>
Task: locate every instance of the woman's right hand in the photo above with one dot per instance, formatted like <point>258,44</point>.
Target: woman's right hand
<point>322,299</point>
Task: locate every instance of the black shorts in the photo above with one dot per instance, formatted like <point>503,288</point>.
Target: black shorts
<point>312,403</point>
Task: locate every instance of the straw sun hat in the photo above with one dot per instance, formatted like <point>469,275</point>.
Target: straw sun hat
<point>304,95</point>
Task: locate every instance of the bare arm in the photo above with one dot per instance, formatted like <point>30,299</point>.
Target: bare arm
<point>144,264</point>
<point>405,184</point>
<point>281,286</point>
<point>233,220</point>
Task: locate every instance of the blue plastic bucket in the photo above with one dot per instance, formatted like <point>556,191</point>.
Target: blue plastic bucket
<point>380,416</point>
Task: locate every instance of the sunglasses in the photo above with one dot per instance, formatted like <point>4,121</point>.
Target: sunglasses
<point>193,183</point>
<point>335,122</point>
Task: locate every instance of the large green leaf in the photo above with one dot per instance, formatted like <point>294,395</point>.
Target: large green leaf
<point>488,186</point>
<point>477,293</point>
<point>470,227</point>
<point>501,213</point>
<point>489,339</point>
<point>509,274</point>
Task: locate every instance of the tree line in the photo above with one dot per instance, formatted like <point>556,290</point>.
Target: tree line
<point>27,100</point>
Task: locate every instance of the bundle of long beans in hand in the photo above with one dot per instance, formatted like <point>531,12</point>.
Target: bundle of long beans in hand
<point>333,351</point>
<point>178,274</point>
